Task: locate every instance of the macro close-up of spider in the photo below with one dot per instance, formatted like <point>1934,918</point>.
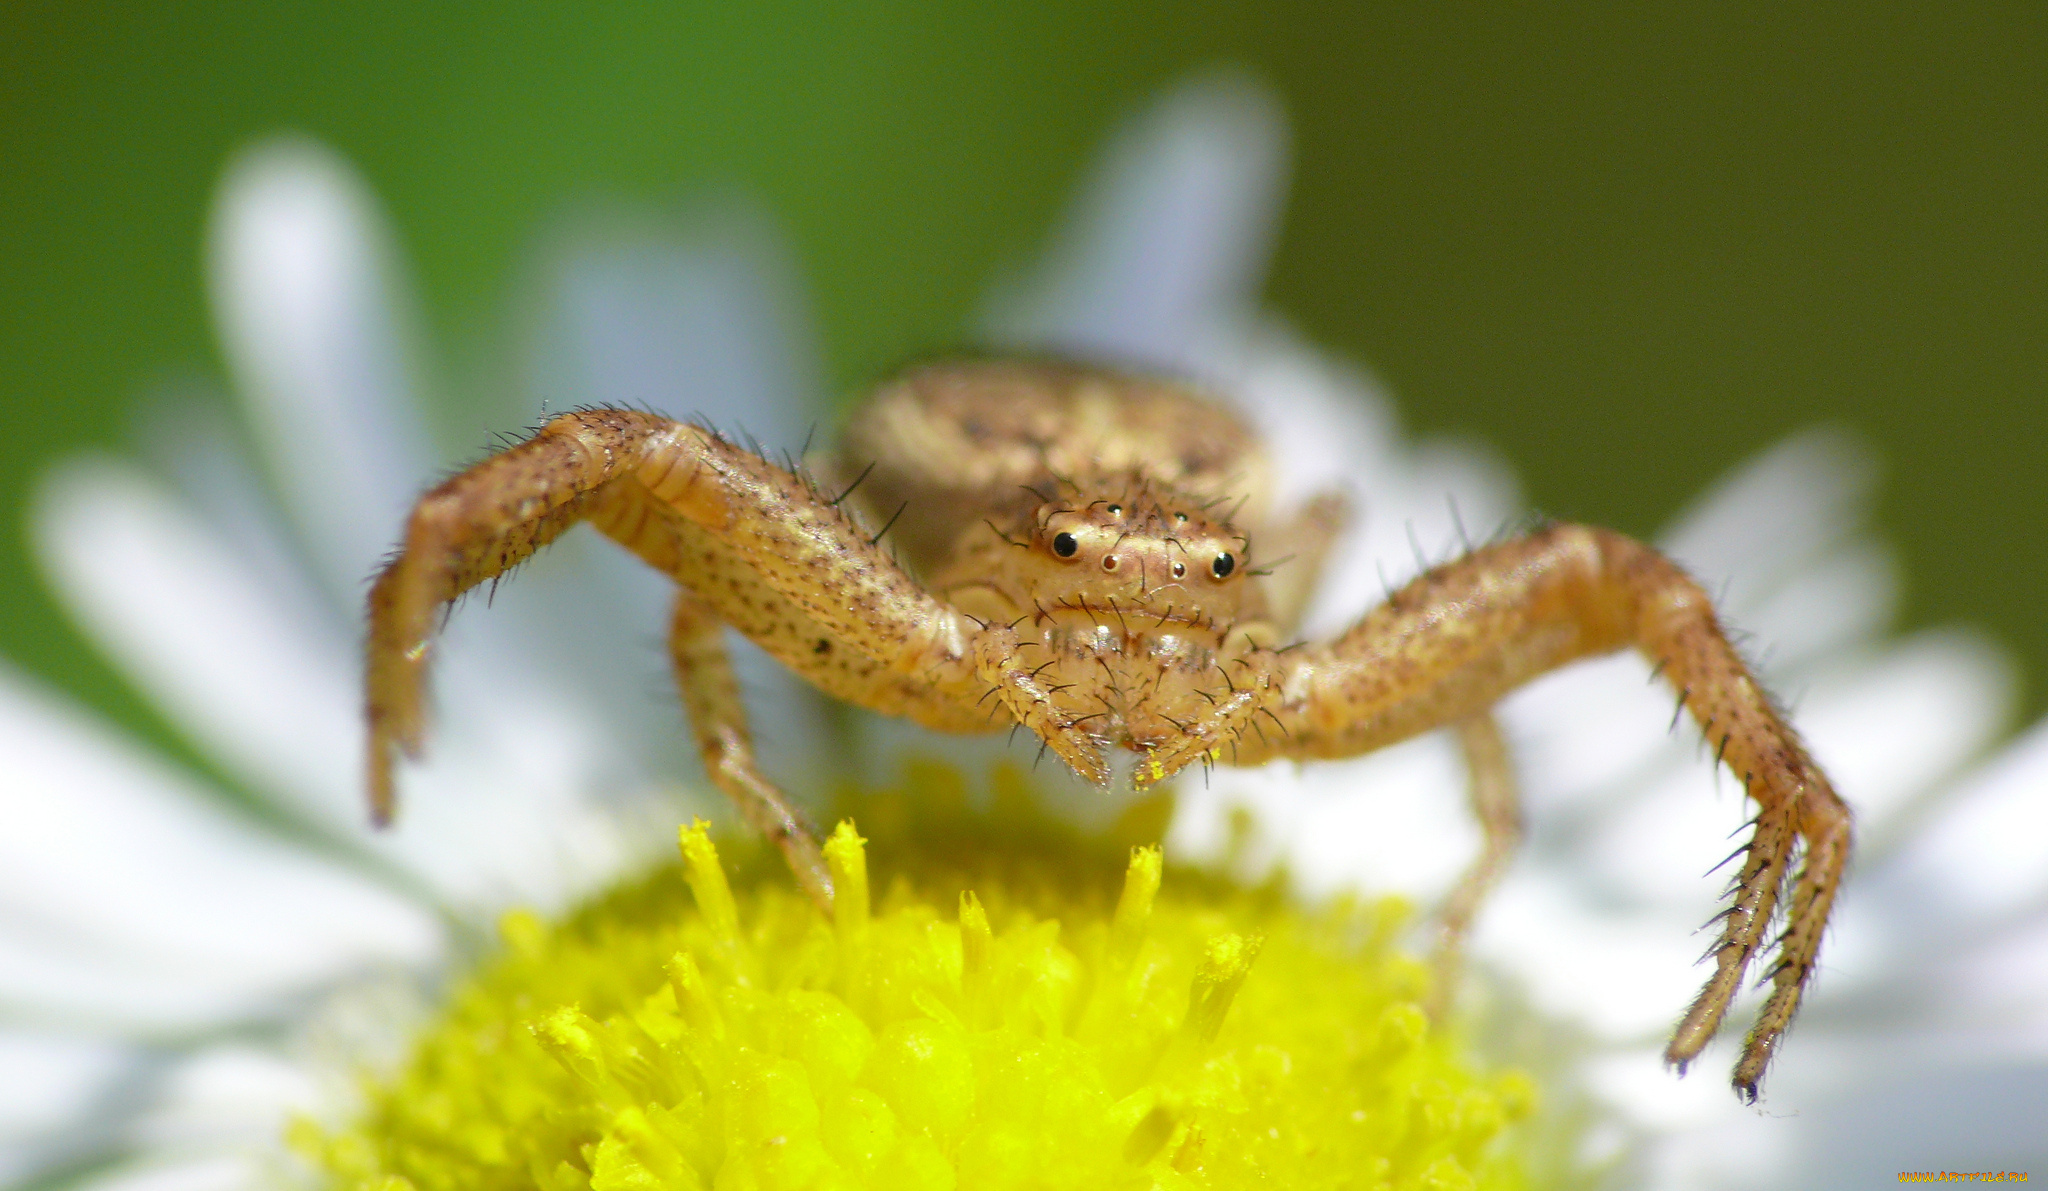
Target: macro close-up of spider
<point>949,597</point>
<point>1093,557</point>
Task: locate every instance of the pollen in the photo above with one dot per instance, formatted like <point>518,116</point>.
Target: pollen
<point>1013,1010</point>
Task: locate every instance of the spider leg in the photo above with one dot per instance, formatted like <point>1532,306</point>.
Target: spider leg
<point>1452,642</point>
<point>718,718</point>
<point>470,529</point>
<point>1497,804</point>
<point>754,543</point>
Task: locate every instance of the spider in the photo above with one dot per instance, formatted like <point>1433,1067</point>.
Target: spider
<point>1073,553</point>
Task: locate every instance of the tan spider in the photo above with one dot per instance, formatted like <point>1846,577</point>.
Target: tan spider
<point>1077,557</point>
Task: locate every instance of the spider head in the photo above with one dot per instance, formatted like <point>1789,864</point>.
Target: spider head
<point>1147,607</point>
<point>1155,554</point>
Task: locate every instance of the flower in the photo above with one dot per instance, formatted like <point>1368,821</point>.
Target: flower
<point>183,967</point>
<point>1073,1022</point>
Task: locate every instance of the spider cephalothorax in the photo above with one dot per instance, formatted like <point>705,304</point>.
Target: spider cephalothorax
<point>1069,553</point>
<point>1139,602</point>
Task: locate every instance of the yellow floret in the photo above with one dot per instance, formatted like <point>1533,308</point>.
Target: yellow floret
<point>1057,1025</point>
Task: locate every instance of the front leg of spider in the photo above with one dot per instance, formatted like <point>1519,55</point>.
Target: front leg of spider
<point>750,543</point>
<point>1445,648</point>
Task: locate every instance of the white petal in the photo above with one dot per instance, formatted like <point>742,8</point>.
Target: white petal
<point>1887,730</point>
<point>196,446</point>
<point>51,1089</point>
<point>705,324</point>
<point>1624,977</point>
<point>1635,1083</point>
<point>1593,734</point>
<point>1323,422</point>
<point>1394,821</point>
<point>1997,988</point>
<point>1924,1115</point>
<point>211,1172</point>
<point>1655,848</point>
<point>228,1095</point>
<point>262,683</point>
<point>1169,239</point>
<point>130,897</point>
<point>312,315</point>
<point>1835,601</point>
<point>1987,855</point>
<point>302,284</point>
<point>1905,1111</point>
<point>499,810</point>
<point>1708,1142</point>
<point>1762,524</point>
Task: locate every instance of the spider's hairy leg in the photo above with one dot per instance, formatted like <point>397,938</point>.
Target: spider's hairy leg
<point>474,527</point>
<point>1457,638</point>
<point>754,542</point>
<point>811,552</point>
<point>718,718</point>
<point>1497,804</point>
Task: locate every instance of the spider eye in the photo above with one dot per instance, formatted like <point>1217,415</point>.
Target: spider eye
<point>1223,565</point>
<point>1064,545</point>
<point>1179,569</point>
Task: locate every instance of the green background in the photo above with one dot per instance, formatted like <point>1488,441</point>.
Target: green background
<point>1628,245</point>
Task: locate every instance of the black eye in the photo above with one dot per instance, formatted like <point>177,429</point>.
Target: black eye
<point>1064,545</point>
<point>1223,565</point>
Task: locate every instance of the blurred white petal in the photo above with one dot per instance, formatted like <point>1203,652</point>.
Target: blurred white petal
<point>1885,730</point>
<point>1888,729</point>
<point>1169,239</point>
<point>1988,852</point>
<point>304,291</point>
<point>496,811</point>
<point>1764,523</point>
<point>52,1082</point>
<point>1623,977</point>
<point>705,323</point>
<point>228,1096</point>
<point>1323,417</point>
<point>217,1172</point>
<point>1838,600</point>
<point>1589,732</point>
<point>174,913</point>
<point>1377,821</point>
<point>264,685</point>
<point>1921,1114</point>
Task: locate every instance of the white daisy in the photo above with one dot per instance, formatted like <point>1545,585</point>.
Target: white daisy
<point>180,967</point>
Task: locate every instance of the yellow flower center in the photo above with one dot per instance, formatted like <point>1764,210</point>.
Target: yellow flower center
<point>1004,1016</point>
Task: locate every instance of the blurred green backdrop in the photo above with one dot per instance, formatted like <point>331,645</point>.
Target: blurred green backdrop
<point>1629,245</point>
